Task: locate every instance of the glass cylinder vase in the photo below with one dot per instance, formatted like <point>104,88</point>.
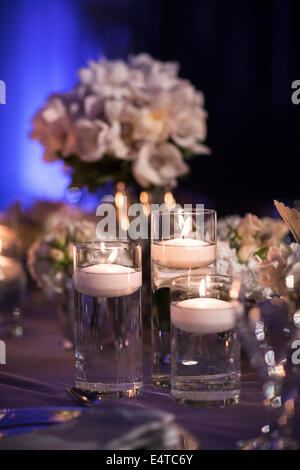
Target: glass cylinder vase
<point>205,351</point>
<point>182,241</point>
<point>108,323</point>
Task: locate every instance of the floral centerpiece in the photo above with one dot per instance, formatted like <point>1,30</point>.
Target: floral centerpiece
<point>50,262</point>
<point>50,257</point>
<point>280,271</point>
<point>41,217</point>
<point>281,261</point>
<point>129,121</point>
<point>244,243</point>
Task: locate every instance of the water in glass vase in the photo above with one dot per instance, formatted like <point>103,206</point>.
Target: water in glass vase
<point>108,344</point>
<point>205,368</point>
<point>108,325</point>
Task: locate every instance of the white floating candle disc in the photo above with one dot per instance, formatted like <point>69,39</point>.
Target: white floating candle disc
<point>107,280</point>
<point>183,253</point>
<point>203,315</point>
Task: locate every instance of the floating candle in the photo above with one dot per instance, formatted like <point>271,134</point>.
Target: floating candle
<point>203,315</point>
<point>107,280</point>
<point>183,253</point>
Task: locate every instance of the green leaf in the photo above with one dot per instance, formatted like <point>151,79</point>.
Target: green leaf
<point>262,253</point>
<point>234,239</point>
<point>92,175</point>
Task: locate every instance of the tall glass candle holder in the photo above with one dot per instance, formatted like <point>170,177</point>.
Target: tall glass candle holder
<point>182,241</point>
<point>205,352</point>
<point>108,325</point>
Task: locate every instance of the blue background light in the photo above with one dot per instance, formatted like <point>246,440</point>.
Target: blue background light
<point>42,45</point>
<point>244,56</point>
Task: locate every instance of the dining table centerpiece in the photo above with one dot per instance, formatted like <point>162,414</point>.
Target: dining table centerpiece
<point>243,244</point>
<point>50,263</point>
<point>280,270</point>
<point>134,121</point>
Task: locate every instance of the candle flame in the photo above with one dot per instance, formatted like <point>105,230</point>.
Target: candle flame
<point>169,200</point>
<point>185,225</point>
<point>202,288</point>
<point>119,199</point>
<point>125,223</point>
<point>112,256</point>
<point>144,197</point>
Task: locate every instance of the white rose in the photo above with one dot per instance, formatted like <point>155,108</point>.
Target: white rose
<point>250,225</point>
<point>156,73</point>
<point>115,144</point>
<point>107,78</point>
<point>90,139</point>
<point>160,165</point>
<point>247,248</point>
<point>51,127</point>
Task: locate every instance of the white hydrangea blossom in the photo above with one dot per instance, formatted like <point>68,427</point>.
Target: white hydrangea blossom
<point>138,110</point>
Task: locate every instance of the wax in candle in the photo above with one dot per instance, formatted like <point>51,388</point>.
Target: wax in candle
<point>107,280</point>
<point>183,253</point>
<point>203,315</point>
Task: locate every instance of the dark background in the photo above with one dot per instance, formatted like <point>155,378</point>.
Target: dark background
<point>243,54</point>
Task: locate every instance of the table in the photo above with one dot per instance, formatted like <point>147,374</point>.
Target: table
<point>37,370</point>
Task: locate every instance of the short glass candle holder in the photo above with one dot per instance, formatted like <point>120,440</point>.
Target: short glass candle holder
<point>108,324</point>
<point>205,351</point>
<point>182,241</point>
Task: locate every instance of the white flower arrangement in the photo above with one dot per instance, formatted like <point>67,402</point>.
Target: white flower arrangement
<point>50,257</point>
<point>281,261</point>
<point>243,244</point>
<point>229,264</point>
<point>124,120</point>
